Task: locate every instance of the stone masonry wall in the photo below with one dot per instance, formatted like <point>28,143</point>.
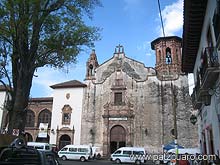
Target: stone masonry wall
<point>152,106</point>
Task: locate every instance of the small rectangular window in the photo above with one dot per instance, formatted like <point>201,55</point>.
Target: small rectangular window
<point>66,118</point>
<point>118,98</point>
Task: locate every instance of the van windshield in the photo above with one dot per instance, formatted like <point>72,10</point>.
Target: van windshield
<point>64,149</point>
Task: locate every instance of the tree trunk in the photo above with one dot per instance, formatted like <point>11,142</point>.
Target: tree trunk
<point>21,99</point>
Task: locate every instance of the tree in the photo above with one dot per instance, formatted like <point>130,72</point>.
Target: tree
<point>37,33</point>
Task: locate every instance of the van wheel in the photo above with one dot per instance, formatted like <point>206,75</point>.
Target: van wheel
<point>63,158</point>
<point>118,161</point>
<point>137,162</point>
<point>82,159</point>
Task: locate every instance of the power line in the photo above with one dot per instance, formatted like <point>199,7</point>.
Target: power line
<point>161,19</point>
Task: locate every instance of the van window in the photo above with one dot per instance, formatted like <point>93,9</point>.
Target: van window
<point>118,152</point>
<point>47,147</point>
<point>82,150</point>
<point>64,149</point>
<point>73,149</point>
<point>31,146</point>
<point>127,152</point>
<point>39,147</point>
<point>138,152</point>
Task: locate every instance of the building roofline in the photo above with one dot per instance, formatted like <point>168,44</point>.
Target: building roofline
<point>69,84</point>
<point>194,13</point>
<point>164,38</point>
<point>41,99</point>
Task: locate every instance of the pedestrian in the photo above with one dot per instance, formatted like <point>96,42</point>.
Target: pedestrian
<point>184,161</point>
<point>216,160</point>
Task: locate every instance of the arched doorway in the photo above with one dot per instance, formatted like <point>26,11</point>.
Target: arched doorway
<point>64,140</point>
<point>44,117</point>
<point>117,138</point>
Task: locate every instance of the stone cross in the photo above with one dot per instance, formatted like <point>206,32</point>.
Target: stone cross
<point>119,49</point>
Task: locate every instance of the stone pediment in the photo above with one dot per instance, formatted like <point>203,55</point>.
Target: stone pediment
<point>119,64</point>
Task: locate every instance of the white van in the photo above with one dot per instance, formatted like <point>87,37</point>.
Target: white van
<point>192,151</point>
<point>77,152</point>
<point>129,155</point>
<point>40,146</point>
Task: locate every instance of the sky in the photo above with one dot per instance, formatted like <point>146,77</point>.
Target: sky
<point>131,23</point>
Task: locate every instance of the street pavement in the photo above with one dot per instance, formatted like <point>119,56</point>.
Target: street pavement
<point>91,162</point>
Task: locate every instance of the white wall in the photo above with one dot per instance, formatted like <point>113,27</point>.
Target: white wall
<point>75,102</point>
<point>209,113</point>
<point>2,100</point>
<point>203,40</point>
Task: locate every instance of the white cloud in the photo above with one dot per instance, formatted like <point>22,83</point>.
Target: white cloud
<point>143,46</point>
<point>148,54</point>
<point>172,18</point>
<point>146,47</point>
<point>50,76</point>
<point>45,78</point>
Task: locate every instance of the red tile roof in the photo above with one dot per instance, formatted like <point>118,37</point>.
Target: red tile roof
<point>194,13</point>
<point>69,84</point>
<point>164,39</point>
<point>41,99</point>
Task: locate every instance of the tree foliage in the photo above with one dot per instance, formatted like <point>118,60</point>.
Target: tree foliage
<point>35,33</point>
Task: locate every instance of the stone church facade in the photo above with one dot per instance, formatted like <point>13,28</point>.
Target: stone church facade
<point>120,103</point>
<point>128,104</point>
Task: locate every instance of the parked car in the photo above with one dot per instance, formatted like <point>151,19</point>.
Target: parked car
<point>19,154</point>
<point>129,155</point>
<point>76,152</point>
<point>40,146</point>
<point>50,157</point>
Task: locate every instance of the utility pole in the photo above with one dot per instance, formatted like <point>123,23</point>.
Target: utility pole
<point>174,105</point>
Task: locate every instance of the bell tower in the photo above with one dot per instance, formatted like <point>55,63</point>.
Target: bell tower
<point>168,57</point>
<point>91,65</point>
